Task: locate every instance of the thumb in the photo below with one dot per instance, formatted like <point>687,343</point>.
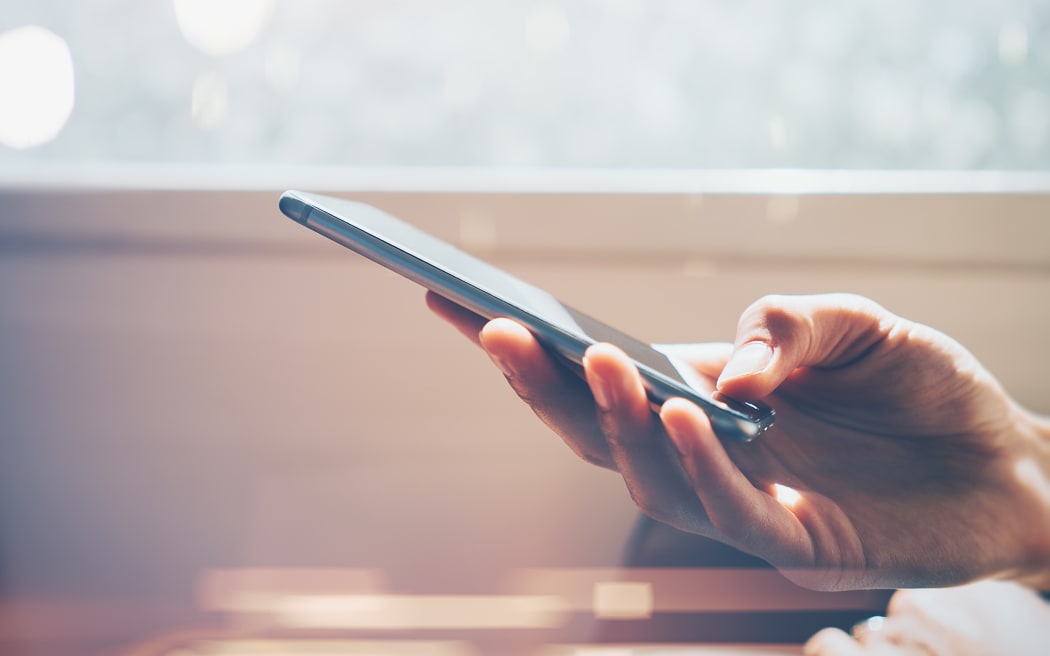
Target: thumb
<point>778,334</point>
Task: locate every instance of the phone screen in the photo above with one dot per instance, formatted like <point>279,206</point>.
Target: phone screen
<point>492,292</point>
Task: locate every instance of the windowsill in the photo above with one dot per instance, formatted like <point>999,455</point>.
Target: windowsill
<point>234,177</point>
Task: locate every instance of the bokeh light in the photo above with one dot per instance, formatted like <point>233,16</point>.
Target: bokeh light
<point>1013,44</point>
<point>37,78</point>
<point>221,27</point>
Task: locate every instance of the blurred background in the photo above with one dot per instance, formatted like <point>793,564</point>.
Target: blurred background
<point>573,83</point>
<point>222,434</point>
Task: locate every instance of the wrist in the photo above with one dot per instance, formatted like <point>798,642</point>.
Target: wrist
<point>1031,472</point>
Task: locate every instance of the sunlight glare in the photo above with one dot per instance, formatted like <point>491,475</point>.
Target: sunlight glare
<point>787,496</point>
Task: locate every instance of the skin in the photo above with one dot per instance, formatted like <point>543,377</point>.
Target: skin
<point>913,467</point>
<point>981,619</point>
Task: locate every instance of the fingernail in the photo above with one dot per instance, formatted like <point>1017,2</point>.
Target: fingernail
<point>751,358</point>
<point>599,388</point>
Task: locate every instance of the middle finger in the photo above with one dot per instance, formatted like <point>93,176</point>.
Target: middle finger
<point>643,454</point>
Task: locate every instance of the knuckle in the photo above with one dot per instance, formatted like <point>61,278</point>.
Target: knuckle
<point>589,455</point>
<point>671,514</point>
<point>585,440</point>
<point>851,301</point>
<point>656,511</point>
<point>544,404</point>
<point>782,322</point>
<point>849,306</point>
<point>765,305</point>
<point>530,397</point>
<point>625,438</point>
<point>610,427</point>
<point>644,502</point>
<point>638,498</point>
<point>775,314</point>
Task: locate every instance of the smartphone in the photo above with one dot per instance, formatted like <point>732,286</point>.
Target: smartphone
<point>492,292</point>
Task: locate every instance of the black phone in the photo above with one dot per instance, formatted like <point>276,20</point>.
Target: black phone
<point>492,292</point>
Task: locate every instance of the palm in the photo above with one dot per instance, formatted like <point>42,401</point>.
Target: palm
<point>897,434</point>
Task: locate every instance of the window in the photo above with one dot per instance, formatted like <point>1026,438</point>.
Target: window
<point>555,83</point>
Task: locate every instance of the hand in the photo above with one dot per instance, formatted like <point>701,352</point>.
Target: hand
<point>980,619</point>
<point>896,459</point>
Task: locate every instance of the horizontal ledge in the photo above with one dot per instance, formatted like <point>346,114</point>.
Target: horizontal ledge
<point>1005,229</point>
<point>237,177</point>
<point>699,265</point>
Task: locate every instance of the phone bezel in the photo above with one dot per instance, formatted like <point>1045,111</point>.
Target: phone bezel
<point>733,419</point>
